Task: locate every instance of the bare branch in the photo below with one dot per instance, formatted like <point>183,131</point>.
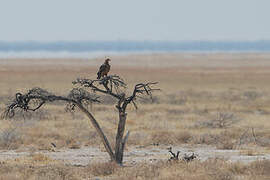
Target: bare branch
<point>134,104</point>
<point>107,85</point>
<point>110,85</point>
<point>40,96</point>
<point>141,89</point>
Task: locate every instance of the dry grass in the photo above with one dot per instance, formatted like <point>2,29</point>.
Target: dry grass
<point>102,169</point>
<point>195,90</point>
<point>211,169</point>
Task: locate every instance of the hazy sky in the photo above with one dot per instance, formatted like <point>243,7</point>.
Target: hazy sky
<point>52,20</point>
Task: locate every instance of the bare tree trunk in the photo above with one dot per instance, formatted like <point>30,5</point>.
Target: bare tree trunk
<point>119,144</point>
<point>100,132</point>
<point>122,147</point>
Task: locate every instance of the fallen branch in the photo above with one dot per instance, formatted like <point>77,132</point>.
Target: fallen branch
<point>185,158</point>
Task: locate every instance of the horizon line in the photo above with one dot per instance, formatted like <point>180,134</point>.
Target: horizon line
<point>137,41</point>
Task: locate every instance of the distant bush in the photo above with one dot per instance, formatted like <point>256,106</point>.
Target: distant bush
<point>251,95</point>
<point>223,140</point>
<point>221,120</point>
<point>166,137</point>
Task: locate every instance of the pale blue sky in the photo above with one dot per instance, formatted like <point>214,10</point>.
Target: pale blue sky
<point>52,20</point>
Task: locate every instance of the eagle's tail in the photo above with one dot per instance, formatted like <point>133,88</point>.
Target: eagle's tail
<point>99,75</point>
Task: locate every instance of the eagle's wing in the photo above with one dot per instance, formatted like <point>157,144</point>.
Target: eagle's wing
<point>102,68</point>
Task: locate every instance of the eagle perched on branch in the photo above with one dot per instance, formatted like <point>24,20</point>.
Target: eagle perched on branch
<point>104,69</point>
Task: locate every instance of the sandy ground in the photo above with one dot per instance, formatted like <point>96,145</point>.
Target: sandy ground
<point>134,155</point>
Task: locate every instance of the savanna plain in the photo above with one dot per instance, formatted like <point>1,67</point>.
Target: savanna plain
<point>216,106</point>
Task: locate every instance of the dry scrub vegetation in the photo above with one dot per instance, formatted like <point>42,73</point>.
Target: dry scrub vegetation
<point>39,167</point>
<point>222,100</point>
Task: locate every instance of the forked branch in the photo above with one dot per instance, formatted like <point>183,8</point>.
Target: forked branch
<point>140,89</point>
<point>37,97</point>
<point>111,85</point>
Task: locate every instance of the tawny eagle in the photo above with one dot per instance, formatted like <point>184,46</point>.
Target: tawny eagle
<point>104,69</point>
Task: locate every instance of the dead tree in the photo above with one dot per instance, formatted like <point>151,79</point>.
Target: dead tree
<point>35,98</point>
<point>111,85</point>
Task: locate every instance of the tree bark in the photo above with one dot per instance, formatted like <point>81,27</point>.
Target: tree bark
<point>119,144</point>
<point>122,147</point>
